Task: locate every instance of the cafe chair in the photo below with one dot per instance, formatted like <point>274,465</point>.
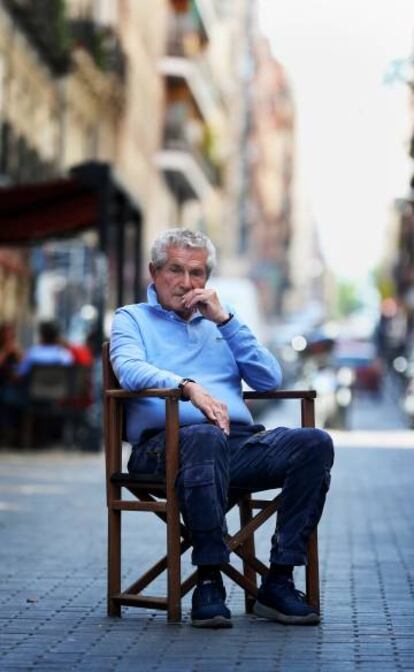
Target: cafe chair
<point>159,497</point>
<point>56,397</point>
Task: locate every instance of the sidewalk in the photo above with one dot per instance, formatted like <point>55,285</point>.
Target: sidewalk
<point>53,580</point>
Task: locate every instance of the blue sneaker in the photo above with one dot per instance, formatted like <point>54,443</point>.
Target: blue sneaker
<point>208,608</point>
<point>278,600</point>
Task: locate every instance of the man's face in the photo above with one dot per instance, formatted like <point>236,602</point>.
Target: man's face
<point>185,269</point>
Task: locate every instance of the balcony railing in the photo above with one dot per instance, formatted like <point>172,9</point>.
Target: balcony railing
<point>186,36</point>
<point>199,81</point>
<point>176,139</point>
<point>54,35</point>
<point>100,42</point>
<point>189,171</point>
<point>46,26</point>
<point>19,162</point>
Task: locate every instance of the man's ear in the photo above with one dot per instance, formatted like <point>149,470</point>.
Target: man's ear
<point>152,270</point>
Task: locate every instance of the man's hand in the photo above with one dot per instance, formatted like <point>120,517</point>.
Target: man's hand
<point>214,410</point>
<point>207,302</point>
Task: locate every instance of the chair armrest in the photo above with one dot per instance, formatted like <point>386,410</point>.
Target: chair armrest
<point>281,394</point>
<point>175,393</point>
<point>161,393</point>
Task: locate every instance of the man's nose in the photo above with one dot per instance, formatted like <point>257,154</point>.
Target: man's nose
<point>187,280</point>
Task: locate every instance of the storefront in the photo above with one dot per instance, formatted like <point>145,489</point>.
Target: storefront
<point>90,208</point>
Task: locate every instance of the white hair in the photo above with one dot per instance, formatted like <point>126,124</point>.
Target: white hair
<point>182,238</point>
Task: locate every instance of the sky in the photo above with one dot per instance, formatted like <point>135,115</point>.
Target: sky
<point>353,120</point>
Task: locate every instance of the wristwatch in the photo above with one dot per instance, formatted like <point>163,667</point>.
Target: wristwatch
<point>221,324</point>
<point>183,382</point>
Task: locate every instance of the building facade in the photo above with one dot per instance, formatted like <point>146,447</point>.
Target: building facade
<point>61,92</point>
<point>397,273</point>
<point>184,103</point>
<point>272,152</point>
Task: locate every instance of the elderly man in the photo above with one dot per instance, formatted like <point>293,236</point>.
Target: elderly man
<point>184,337</point>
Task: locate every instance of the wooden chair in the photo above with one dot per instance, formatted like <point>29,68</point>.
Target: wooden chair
<point>159,496</point>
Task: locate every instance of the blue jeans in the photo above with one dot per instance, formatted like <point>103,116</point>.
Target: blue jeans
<point>211,464</point>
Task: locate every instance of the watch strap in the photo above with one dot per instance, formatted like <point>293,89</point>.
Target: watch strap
<point>221,324</point>
<point>183,382</point>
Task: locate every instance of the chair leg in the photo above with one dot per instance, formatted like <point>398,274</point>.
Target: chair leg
<point>173,513</point>
<point>312,568</point>
<point>249,546</point>
<point>174,560</point>
<point>312,572</point>
<point>114,561</point>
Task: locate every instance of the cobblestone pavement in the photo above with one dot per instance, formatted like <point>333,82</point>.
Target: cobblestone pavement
<point>52,581</point>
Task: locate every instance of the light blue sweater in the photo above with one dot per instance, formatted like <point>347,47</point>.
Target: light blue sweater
<point>154,347</point>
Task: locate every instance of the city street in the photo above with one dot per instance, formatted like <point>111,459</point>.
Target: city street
<point>53,563</point>
<point>368,412</point>
<point>186,180</point>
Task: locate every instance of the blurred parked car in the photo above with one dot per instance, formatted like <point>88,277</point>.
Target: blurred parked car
<point>334,393</point>
<point>361,358</point>
<point>283,343</point>
<point>407,402</point>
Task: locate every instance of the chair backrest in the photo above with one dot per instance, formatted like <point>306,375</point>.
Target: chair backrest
<point>113,449</point>
<point>110,380</point>
<point>58,383</point>
<point>49,383</point>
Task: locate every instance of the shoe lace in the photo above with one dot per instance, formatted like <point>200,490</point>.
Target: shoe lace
<point>297,593</point>
<point>289,584</point>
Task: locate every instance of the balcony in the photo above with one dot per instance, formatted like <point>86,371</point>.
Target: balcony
<point>186,60</point>
<point>46,27</point>
<point>54,35</point>
<point>204,12</point>
<point>101,44</point>
<point>193,103</point>
<point>186,36</point>
<point>19,162</point>
<point>189,171</point>
<point>197,77</point>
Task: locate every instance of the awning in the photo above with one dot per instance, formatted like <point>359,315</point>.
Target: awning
<point>55,209</point>
<point>93,196</point>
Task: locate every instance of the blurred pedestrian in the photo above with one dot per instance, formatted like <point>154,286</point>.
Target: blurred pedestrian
<point>87,355</point>
<point>10,353</point>
<point>48,351</point>
<point>81,352</point>
<point>10,390</point>
<point>185,337</point>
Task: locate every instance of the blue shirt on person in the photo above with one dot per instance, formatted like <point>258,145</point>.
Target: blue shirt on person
<point>152,347</point>
<point>44,354</point>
